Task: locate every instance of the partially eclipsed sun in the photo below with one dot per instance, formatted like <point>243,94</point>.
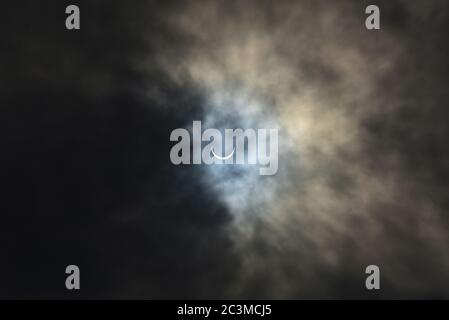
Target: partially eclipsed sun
<point>223,158</point>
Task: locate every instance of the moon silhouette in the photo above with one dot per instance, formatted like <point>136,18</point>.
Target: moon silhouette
<point>223,158</point>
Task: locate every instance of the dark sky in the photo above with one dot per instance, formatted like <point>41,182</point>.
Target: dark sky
<point>86,177</point>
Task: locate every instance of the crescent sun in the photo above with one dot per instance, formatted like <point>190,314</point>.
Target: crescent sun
<point>223,158</point>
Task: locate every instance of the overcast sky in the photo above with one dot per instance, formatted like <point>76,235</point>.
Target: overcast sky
<point>363,177</point>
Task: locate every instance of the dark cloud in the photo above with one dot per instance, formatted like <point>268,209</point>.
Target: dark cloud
<point>86,176</point>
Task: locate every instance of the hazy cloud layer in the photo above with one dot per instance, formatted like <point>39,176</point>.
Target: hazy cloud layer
<point>363,161</point>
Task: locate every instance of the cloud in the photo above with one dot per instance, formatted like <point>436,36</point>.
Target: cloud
<point>362,152</point>
<point>316,73</point>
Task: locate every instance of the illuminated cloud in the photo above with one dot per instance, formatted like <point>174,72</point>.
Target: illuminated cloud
<point>312,70</point>
<point>363,157</point>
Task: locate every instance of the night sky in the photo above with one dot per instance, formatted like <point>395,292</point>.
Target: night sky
<point>86,176</point>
